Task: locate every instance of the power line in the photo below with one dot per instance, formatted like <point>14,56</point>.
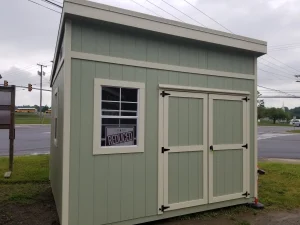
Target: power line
<point>44,6</point>
<point>146,8</point>
<point>277,70</point>
<point>283,45</point>
<point>273,63</point>
<point>275,74</point>
<point>284,64</point>
<point>52,3</point>
<point>183,13</point>
<point>208,16</point>
<point>165,11</point>
<point>284,49</point>
<point>276,90</point>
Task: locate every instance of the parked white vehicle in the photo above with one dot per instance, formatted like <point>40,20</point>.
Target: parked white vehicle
<point>295,121</point>
<point>297,124</point>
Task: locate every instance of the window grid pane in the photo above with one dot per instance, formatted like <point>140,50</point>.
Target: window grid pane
<point>119,118</point>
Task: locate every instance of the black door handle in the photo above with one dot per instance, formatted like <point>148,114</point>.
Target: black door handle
<point>211,148</point>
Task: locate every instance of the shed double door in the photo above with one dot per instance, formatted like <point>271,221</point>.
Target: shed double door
<point>200,154</point>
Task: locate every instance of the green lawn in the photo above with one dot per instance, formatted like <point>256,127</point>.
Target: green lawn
<point>279,187</point>
<point>30,118</point>
<point>294,131</point>
<point>28,180</point>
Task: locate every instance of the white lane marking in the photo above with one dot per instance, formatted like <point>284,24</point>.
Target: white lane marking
<point>271,135</point>
<point>47,132</point>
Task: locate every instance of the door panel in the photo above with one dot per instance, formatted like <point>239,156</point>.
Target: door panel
<point>185,163</point>
<point>185,174</point>
<point>228,159</point>
<point>227,172</point>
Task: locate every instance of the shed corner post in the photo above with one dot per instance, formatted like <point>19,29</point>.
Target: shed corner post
<point>255,130</point>
<point>66,123</point>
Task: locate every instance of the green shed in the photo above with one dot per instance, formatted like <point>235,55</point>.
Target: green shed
<point>152,118</point>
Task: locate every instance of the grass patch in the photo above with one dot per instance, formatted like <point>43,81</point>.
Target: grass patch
<point>28,180</point>
<point>267,123</point>
<point>32,169</point>
<point>294,131</point>
<point>279,188</point>
<point>30,118</point>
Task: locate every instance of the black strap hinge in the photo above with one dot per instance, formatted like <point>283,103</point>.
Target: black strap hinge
<point>163,208</point>
<point>245,146</point>
<point>246,99</point>
<point>163,149</point>
<point>246,194</point>
<point>163,94</point>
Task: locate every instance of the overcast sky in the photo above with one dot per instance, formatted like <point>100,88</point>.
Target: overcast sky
<point>28,36</point>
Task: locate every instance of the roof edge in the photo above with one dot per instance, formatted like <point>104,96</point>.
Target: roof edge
<point>169,22</point>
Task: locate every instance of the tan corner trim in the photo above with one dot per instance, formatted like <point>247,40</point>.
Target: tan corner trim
<point>255,130</point>
<point>200,89</point>
<point>158,66</point>
<point>58,41</point>
<point>160,200</point>
<point>61,63</point>
<point>66,125</point>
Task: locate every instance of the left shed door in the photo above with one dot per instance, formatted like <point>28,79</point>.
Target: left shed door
<point>184,150</point>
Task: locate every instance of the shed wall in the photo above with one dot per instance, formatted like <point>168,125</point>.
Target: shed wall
<point>111,188</point>
<point>56,159</point>
<point>123,42</point>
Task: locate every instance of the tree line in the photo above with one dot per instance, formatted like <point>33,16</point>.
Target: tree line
<point>275,113</point>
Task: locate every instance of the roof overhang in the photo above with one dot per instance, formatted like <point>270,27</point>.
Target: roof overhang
<point>97,11</point>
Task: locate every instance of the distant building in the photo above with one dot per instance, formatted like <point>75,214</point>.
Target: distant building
<point>26,110</point>
<point>48,111</point>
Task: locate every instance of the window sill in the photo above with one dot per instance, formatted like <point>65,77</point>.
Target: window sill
<point>117,150</point>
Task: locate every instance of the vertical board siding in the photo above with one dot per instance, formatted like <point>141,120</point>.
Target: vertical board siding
<point>86,172</point>
<point>151,142</point>
<point>110,188</point>
<point>185,176</point>
<point>228,172</point>
<point>228,122</point>
<point>75,140</point>
<point>118,42</point>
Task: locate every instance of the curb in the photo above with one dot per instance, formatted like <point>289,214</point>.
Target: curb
<point>289,161</point>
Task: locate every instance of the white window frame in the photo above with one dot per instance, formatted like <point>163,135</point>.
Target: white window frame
<point>97,148</point>
<point>55,116</point>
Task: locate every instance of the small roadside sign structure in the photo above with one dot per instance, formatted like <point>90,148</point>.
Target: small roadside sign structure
<point>7,119</point>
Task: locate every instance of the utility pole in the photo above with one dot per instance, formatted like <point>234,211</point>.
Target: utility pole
<point>41,74</point>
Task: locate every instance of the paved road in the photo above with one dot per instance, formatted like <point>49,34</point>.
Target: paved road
<point>30,139</point>
<point>275,142</point>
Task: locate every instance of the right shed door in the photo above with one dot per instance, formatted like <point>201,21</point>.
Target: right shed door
<point>228,147</point>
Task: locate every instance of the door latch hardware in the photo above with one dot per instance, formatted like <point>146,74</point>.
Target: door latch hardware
<point>246,194</point>
<point>163,208</point>
<point>211,148</point>
<point>163,149</point>
<point>163,94</point>
<point>246,99</point>
<point>245,146</point>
